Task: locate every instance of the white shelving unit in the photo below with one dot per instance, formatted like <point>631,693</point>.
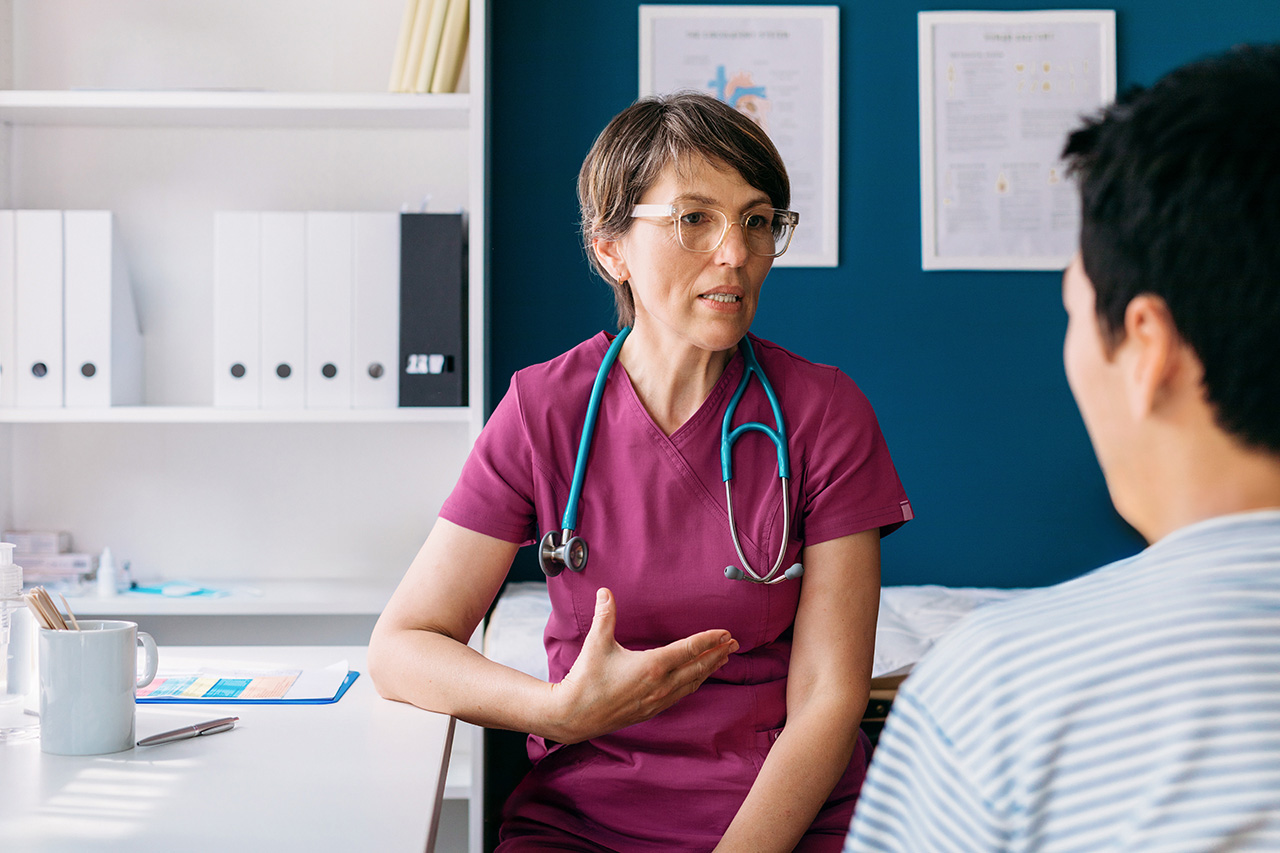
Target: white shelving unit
<point>165,111</point>
<point>205,414</point>
<point>237,109</point>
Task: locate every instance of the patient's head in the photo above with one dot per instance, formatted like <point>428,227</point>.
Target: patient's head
<point>1180,186</point>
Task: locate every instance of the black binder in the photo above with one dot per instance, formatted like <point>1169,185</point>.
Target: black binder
<point>433,310</point>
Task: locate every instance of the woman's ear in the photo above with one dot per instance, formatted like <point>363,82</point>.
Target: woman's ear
<point>609,254</point>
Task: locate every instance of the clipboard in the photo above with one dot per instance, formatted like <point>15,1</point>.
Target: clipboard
<point>351,676</point>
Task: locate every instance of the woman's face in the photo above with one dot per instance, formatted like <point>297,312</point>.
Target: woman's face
<point>705,300</point>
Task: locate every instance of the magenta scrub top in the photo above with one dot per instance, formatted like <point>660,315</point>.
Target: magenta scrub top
<point>653,514</point>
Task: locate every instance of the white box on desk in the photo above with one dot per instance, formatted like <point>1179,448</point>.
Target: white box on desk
<point>38,541</point>
<point>48,568</point>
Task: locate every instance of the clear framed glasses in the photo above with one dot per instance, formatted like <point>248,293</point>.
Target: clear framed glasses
<point>766,230</point>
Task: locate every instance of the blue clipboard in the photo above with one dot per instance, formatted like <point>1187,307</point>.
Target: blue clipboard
<point>352,675</point>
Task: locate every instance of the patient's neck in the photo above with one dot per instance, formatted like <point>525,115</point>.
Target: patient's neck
<point>1206,479</point>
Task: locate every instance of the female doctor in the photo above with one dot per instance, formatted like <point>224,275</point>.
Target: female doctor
<point>685,710</point>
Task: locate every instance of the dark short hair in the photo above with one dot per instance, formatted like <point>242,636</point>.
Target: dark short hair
<point>1180,192</point>
<point>641,141</point>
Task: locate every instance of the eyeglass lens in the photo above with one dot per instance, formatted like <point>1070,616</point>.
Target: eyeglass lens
<point>766,231</point>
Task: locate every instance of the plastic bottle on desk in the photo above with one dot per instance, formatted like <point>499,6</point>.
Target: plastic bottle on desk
<point>108,577</point>
<point>16,644</point>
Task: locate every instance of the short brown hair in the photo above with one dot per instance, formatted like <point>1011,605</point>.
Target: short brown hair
<point>641,141</point>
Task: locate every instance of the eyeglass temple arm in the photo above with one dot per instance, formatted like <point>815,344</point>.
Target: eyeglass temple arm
<point>654,210</point>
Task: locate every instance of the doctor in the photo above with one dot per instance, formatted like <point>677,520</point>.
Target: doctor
<point>686,710</point>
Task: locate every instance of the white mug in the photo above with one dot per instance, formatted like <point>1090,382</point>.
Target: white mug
<point>88,683</point>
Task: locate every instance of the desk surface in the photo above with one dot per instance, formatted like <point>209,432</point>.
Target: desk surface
<point>363,773</point>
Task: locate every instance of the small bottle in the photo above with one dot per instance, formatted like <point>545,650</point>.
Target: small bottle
<point>16,644</point>
<point>108,579</point>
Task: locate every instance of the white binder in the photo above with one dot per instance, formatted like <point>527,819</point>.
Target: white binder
<point>103,344</point>
<point>38,307</point>
<point>8,301</point>
<point>284,310</point>
<point>329,285</point>
<point>237,359</point>
<point>375,326</point>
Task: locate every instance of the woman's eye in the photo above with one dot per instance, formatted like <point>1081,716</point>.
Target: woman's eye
<point>694,217</point>
<point>756,220</point>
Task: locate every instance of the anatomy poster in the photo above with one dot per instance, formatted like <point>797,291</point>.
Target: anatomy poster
<point>780,66</point>
<point>999,93</point>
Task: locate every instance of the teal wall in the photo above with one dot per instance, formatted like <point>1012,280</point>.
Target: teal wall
<point>964,368</point>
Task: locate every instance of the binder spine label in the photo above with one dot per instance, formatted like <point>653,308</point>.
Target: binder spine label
<point>433,310</point>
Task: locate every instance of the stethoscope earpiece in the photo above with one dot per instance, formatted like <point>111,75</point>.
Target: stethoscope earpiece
<point>734,573</point>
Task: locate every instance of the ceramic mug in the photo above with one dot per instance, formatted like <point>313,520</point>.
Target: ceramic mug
<point>88,683</point>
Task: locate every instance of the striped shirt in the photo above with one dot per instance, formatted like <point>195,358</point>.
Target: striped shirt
<point>1134,708</point>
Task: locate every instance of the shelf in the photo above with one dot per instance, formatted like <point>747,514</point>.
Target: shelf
<point>208,414</point>
<point>245,598</point>
<point>234,109</point>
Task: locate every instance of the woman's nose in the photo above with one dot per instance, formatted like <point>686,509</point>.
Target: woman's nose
<point>733,246</point>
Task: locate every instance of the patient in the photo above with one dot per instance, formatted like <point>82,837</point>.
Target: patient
<point>1136,707</point>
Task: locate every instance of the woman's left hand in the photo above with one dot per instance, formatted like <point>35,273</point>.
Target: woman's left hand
<point>610,687</point>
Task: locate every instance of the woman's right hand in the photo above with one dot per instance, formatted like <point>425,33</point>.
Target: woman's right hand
<point>610,687</point>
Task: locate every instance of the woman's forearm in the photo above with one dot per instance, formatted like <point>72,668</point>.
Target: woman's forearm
<point>436,672</point>
<point>418,652</point>
<point>828,681</point>
<point>810,756</point>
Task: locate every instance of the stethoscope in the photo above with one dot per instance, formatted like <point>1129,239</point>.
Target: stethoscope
<point>562,548</point>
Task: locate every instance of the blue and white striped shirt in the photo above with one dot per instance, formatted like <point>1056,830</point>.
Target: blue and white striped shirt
<point>1134,708</point>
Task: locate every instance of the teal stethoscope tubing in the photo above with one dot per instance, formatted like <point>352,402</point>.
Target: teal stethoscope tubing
<point>570,522</point>
<point>571,551</point>
<point>553,556</point>
<point>778,435</point>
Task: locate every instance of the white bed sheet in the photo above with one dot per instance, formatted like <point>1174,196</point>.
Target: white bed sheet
<point>912,619</point>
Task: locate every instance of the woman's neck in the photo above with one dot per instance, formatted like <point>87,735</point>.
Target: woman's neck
<point>672,381</point>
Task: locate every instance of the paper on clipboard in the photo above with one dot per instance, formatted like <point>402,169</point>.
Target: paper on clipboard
<point>318,683</point>
<point>195,681</point>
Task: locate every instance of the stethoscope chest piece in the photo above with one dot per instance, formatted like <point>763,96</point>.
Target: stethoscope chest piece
<point>559,549</point>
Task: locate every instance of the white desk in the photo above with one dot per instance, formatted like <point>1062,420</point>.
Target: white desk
<point>362,774</point>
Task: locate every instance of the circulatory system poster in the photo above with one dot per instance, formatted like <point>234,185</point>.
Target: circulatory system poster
<point>777,64</point>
